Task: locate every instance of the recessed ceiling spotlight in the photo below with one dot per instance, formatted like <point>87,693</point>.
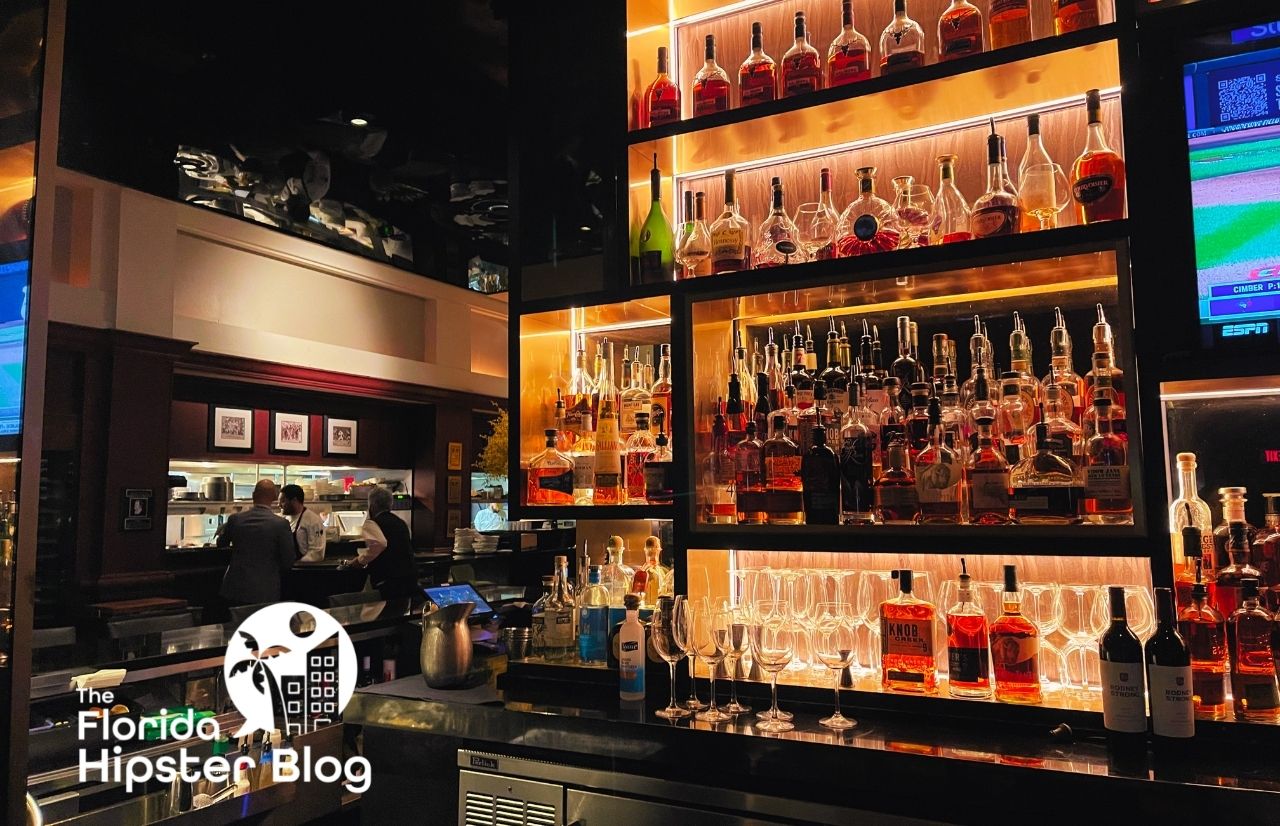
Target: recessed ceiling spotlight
<point>359,122</point>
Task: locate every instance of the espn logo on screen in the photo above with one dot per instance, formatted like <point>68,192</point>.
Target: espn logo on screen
<point>1247,328</point>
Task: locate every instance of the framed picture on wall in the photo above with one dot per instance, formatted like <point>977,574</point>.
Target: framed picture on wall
<point>230,428</point>
<point>339,437</point>
<point>290,432</point>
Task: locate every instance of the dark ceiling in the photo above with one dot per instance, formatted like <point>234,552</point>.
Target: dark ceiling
<point>265,86</point>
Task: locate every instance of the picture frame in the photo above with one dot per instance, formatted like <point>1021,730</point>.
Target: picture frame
<point>340,437</point>
<point>230,429</point>
<point>455,456</point>
<point>454,496</point>
<point>290,432</point>
<point>138,505</point>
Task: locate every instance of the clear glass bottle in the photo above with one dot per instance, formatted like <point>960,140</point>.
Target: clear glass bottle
<point>635,398</point>
<point>784,502</point>
<point>640,448</point>
<point>778,240</point>
<point>1015,648</point>
<point>1015,418</point>
<point>977,355</point>
<point>1010,22</point>
<point>538,614</point>
<point>1107,496</point>
<point>828,216</point>
<point>730,234</point>
<point>1205,630</point>
<point>799,377</point>
<point>1253,669</point>
<point>719,475</point>
<point>1046,487</point>
<point>905,367</point>
<point>857,451</point>
<point>657,242</point>
<point>659,488</point>
<point>711,87</point>
<point>693,241</point>
<point>906,641</point>
<point>577,415</point>
<point>893,420</point>
<point>1020,361</point>
<point>609,486</point>
<point>869,224</point>
<point>919,430</point>
<point>1062,367</point>
<point>968,644</point>
<point>801,65</point>
<point>988,473</point>
<point>1235,572</point>
<point>746,377</point>
<point>849,56</point>
<point>560,633</point>
<point>1065,436</point>
<point>1233,501</point>
<point>615,573</point>
<point>897,502</point>
<point>998,211</point>
<point>1105,361</point>
<point>1189,510</point>
<point>939,475</point>
<point>1098,175</point>
<point>757,76</point>
<point>660,393</point>
<point>901,43</point>
<point>837,384</point>
<point>1034,155</point>
<point>550,475</point>
<point>658,576</point>
<point>950,209</point>
<point>749,455</point>
<point>662,97</point>
<point>593,620</point>
<point>959,31</point>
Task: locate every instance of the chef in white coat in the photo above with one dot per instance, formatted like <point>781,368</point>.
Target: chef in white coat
<point>307,525</point>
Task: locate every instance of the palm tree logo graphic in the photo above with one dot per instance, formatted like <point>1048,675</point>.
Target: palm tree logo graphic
<point>265,680</point>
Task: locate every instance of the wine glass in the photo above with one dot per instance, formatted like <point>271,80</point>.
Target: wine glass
<point>834,647</point>
<point>692,246</point>
<point>1084,615</point>
<point>874,588</point>
<point>800,596</point>
<point>665,642</point>
<point>683,626</point>
<point>773,645</point>
<point>817,226</point>
<point>711,628</point>
<point>1140,610</point>
<point>1045,192</point>
<point>914,205</point>
<point>1042,606</point>
<point>736,645</point>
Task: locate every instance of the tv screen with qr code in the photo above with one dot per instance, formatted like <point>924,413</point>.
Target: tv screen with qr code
<point>1233,135</point>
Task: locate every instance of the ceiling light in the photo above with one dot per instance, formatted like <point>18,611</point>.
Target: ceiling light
<point>359,122</point>
<point>585,229</point>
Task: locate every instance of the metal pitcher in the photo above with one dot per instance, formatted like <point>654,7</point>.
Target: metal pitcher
<point>445,655</point>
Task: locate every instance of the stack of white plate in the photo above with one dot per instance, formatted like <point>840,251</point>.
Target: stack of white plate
<point>463,538</point>
<point>485,544</point>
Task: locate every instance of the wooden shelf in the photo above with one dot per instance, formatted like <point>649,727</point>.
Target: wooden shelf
<point>976,540</point>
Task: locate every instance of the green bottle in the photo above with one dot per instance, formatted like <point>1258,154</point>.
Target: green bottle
<point>657,244</point>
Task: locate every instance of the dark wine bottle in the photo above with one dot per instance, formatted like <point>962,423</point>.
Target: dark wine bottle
<point>820,475</point>
<point>1124,707</point>
<point>1169,674</point>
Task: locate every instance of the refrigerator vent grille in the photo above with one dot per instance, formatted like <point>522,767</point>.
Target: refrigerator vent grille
<point>496,810</point>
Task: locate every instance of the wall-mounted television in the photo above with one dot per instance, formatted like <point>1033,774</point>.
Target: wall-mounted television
<point>13,337</point>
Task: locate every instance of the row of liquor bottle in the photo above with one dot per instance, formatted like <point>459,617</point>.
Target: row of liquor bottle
<point>918,216</point>
<point>962,31</point>
<point>856,443</point>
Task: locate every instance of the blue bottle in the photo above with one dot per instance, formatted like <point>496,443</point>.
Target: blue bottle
<point>593,620</point>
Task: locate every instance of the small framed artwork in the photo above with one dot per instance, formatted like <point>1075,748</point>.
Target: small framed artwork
<point>290,432</point>
<point>137,509</point>
<point>455,491</point>
<point>230,428</point>
<point>455,455</point>
<point>339,437</point>
<point>453,521</point>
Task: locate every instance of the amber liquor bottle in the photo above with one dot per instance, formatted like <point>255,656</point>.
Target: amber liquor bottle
<point>662,98</point>
<point>550,475</point>
<point>1010,22</point>
<point>711,84</point>
<point>939,475</point>
<point>757,76</point>
<point>1231,577</point>
<point>783,499</point>
<point>1098,176</point>
<point>988,479</point>
<point>849,58</point>
<point>998,210</point>
<point>1015,647</point>
<point>1253,669</point>
<point>750,479</point>
<point>1074,15</point>
<point>895,491</point>
<point>968,644</point>
<point>959,31</point>
<point>906,641</point>
<point>1107,496</point>
<point>801,65</point>
<point>1206,633</point>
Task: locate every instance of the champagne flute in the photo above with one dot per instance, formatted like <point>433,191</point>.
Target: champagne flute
<point>665,642</point>
<point>773,645</point>
<point>711,629</point>
<point>1045,192</point>
<point>684,626</point>
<point>834,647</point>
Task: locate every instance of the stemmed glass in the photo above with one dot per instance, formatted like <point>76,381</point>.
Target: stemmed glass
<point>1045,192</point>
<point>874,587</point>
<point>834,646</point>
<point>1042,605</point>
<point>1084,615</point>
<point>1139,608</point>
<point>800,595</point>
<point>683,627</point>
<point>711,629</point>
<point>773,645</point>
<point>666,636</point>
<point>736,645</point>
<point>914,205</point>
<point>817,225</point>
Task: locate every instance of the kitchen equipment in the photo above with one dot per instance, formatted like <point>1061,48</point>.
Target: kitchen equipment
<point>217,488</point>
<point>445,655</point>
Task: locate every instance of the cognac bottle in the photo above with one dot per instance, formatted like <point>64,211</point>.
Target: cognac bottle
<point>1074,15</point>
<point>1206,633</point>
<point>1010,22</point>
<point>801,65</point>
<point>950,209</point>
<point>757,77</point>
<point>662,98</point>
<point>1015,648</point>
<point>997,211</point>
<point>730,249</point>
<point>959,31</point>
<point>711,84</point>
<point>1253,669</point>
<point>1098,176</point>
<point>901,43</point>
<point>849,57</point>
<point>550,476</point>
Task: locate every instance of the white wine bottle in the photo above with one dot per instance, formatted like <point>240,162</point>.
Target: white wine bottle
<point>657,244</point>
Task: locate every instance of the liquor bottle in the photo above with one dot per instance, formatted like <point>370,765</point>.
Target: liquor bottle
<point>1105,361</point>
<point>872,382</point>
<point>1235,572</point>
<point>1189,510</point>
<point>799,377</point>
<point>1264,552</point>
<point>1206,633</point>
<point>1253,669</point>
<point>1233,502</point>
<point>998,210</point>
<point>778,240</point>
<point>609,486</point>
<point>977,355</point>
<point>857,448</point>
<point>940,352</point>
<point>632,653</point>
<point>897,502</point>
<point>735,416</point>
<point>959,31</point>
<point>584,460</point>
<point>560,626</point>
<point>577,415</point>
<point>892,419</point>
<point>1062,369</point>
<point>905,366</point>
<point>954,420</point>
<point>906,641</point>
<point>719,475</point>
<point>658,486</point>
<point>1065,436</point>
<point>746,377</point>
<point>784,502</point>
<point>749,455</point>
<point>641,446</point>
<point>988,479</point>
<point>593,620</point>
<point>1010,22</point>
<point>968,646</point>
<point>1169,675</point>
<point>662,98</point>
<point>366,677</point>
<point>984,404</point>
<point>693,241</point>
<point>635,398</point>
<point>869,224</point>
<point>901,43</point>
<point>801,65</point>
<point>564,439</point>
<point>730,248</point>
<point>757,77</point>
<point>1098,176</point>
<point>1046,487</point>
<point>919,431</point>
<point>820,479</point>
<point>1015,648</point>
<point>815,417</point>
<point>1107,496</point>
<point>1020,362</point>
<point>1015,417</point>
<point>939,475</point>
<point>1074,15</point>
<point>657,575</point>
<point>550,475</point>
<point>660,393</point>
<point>1124,705</point>
<point>538,616</point>
<point>849,57</point>
<point>1035,155</point>
<point>597,378</point>
<point>836,381</point>
<point>711,85</point>
<point>828,216</point>
<point>1102,385</point>
<point>950,209</point>
<point>657,244</point>
<point>615,574</point>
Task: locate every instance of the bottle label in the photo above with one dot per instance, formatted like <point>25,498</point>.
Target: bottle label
<point>995,220</point>
<point>909,58</point>
<point>1172,704</point>
<point>850,65</point>
<point>1124,702</point>
<point>1106,482</point>
<point>1016,656</point>
<point>897,503</point>
<point>804,399</point>
<point>877,401</point>
<point>559,482</point>
<point>659,420</point>
<point>663,111</point>
<point>802,75</point>
<point>657,488</point>
<point>651,268</point>
<point>631,657</point>
<point>938,483</point>
<point>961,35</point>
<point>728,247</point>
<point>1259,692</point>
<point>584,470</point>
<point>1093,188</point>
<point>748,462</point>
<point>630,407</point>
<point>1045,500</point>
<point>966,665</point>
<point>866,226</point>
<point>1000,6</point>
<point>756,86</point>
<point>782,471</point>
<point>558,629</point>
<point>1209,686</point>
<point>710,98</point>
<point>909,637</point>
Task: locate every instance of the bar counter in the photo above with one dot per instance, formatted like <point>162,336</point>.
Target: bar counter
<point>889,765</point>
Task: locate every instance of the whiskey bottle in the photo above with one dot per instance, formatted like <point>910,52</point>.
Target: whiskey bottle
<point>810,351</point>
<point>959,31</point>
<point>1065,436</point>
<point>919,432</point>
<point>757,77</point>
<point>954,421</point>
<point>1107,496</point>
<point>1233,502</point>
<point>836,380</point>
<point>906,641</point>
<point>1062,370</point>
<point>901,43</point>
<point>711,84</point>
<point>1105,361</point>
<point>720,475</point>
<point>893,419</point>
<point>1264,551</point>
<point>1098,176</point>
<point>1015,648</point>
<point>640,448</point>
<point>584,463</point>
<point>1206,633</point>
<point>1235,572</point>
<point>820,478</point>
<point>550,475</point>
<point>988,479</point>
<point>799,377</point>
<point>750,479</point>
<point>950,209</point>
<point>784,502</point>
<point>1020,362</point>
<point>857,449</point>
<point>730,249</point>
<point>658,486</point>
<point>977,350</point>
<point>609,482</point>
<point>872,383</point>
<point>849,57</point>
<point>1124,705</point>
<point>693,241</point>
<point>897,502</point>
<point>815,417</point>
<point>778,240</point>
<point>968,646</point>
<point>1015,417</point>
<point>1253,670</point>
<point>1010,22</point>
<point>1046,487</point>
<point>1102,385</point>
<point>657,244</point>
<point>939,474</point>
<point>660,393</point>
<point>998,211</point>
<point>662,97</point>
<point>801,65</point>
<point>636,398</point>
<point>1074,15</point>
<point>905,366</point>
<point>869,224</point>
<point>1169,675</point>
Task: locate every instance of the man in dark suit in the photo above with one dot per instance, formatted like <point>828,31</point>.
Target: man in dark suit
<point>388,551</point>
<point>262,550</point>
